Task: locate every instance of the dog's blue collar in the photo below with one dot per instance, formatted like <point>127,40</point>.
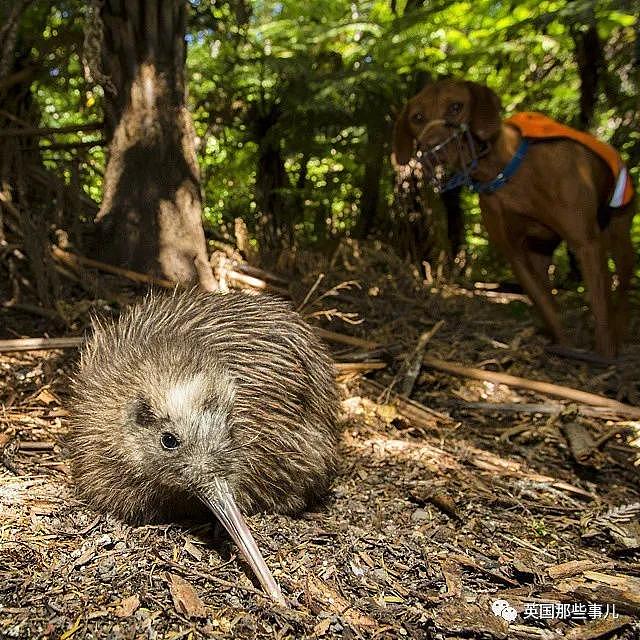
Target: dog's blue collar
<point>465,179</point>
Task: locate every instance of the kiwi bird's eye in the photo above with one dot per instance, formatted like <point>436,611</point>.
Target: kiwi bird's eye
<point>454,108</point>
<point>169,441</point>
<point>417,118</point>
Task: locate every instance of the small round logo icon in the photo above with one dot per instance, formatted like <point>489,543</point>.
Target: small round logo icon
<point>509,614</point>
<point>504,610</point>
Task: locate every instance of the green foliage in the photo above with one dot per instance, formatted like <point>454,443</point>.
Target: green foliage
<point>321,83</point>
<point>336,71</point>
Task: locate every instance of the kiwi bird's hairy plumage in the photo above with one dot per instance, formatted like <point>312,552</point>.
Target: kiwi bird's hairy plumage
<point>192,386</point>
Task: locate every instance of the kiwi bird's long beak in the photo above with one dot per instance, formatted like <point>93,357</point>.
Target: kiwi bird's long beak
<point>220,500</point>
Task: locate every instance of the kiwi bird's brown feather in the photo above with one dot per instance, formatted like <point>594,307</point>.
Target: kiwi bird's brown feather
<point>240,383</point>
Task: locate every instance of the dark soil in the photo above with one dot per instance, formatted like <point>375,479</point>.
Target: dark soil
<point>432,519</point>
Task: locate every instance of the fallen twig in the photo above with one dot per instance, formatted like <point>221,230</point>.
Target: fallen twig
<point>578,354</point>
<point>11,208</point>
<point>314,286</point>
<point>51,131</point>
<point>341,338</point>
<point>548,408</point>
<point>417,413</point>
<point>35,310</point>
<point>415,360</point>
<point>513,407</point>
<point>38,344</point>
<point>351,367</point>
<point>547,388</point>
<point>250,270</point>
<point>75,261</point>
<point>605,437</point>
<point>533,385</point>
<point>256,283</point>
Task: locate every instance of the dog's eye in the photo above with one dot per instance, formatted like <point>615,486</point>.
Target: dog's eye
<point>417,118</point>
<point>454,108</point>
<point>169,441</point>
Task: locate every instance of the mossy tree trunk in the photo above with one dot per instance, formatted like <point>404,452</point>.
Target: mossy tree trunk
<point>151,214</point>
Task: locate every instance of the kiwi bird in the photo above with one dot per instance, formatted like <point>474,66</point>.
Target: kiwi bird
<point>193,401</point>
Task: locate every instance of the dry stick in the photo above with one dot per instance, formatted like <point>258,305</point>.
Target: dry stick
<point>547,388</point>
<point>34,310</point>
<point>44,344</point>
<point>415,412</point>
<point>415,361</point>
<point>578,354</point>
<point>350,367</point>
<point>619,428</point>
<point>369,355</point>
<point>9,206</point>
<point>65,146</point>
<point>47,178</point>
<point>256,283</point>
<point>513,407</point>
<point>547,409</point>
<point>315,285</point>
<point>76,261</point>
<point>538,386</point>
<point>38,344</point>
<point>250,270</point>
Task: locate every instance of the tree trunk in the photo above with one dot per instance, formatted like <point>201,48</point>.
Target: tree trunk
<point>272,186</point>
<point>151,213</point>
<point>589,58</point>
<point>373,165</point>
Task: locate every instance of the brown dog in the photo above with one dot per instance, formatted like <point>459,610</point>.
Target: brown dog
<point>533,195</point>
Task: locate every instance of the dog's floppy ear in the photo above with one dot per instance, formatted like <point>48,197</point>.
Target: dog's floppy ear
<point>485,111</point>
<point>402,145</point>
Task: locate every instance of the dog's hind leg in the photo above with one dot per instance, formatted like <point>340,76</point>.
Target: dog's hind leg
<point>593,263</point>
<point>618,235</point>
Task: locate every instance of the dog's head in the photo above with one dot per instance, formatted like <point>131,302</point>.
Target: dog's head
<point>438,118</point>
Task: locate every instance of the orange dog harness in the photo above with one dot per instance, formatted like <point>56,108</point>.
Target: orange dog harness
<point>535,126</point>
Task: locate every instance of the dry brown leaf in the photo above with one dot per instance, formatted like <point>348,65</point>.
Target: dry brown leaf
<point>453,578</point>
<point>46,397</point>
<point>322,627</point>
<point>185,598</point>
<point>127,606</point>
<point>598,629</point>
<point>85,557</point>
<point>626,583</point>
<point>192,550</point>
<point>332,601</point>
<point>569,569</point>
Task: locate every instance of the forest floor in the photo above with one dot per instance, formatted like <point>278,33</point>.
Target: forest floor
<point>437,512</point>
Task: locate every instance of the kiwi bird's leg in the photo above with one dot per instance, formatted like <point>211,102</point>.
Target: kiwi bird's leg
<point>220,500</point>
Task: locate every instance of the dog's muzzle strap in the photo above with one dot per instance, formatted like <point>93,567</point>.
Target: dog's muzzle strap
<point>434,160</point>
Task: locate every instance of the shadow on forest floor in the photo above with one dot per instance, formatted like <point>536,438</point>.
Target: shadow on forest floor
<point>430,521</point>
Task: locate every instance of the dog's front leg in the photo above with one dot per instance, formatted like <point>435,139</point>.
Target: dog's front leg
<point>538,291</point>
<point>509,235</point>
<point>592,258</point>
